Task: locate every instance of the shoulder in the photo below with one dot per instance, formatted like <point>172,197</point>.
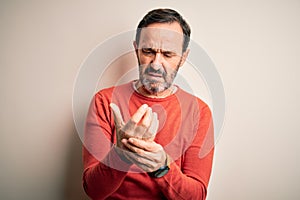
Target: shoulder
<point>114,91</point>
<point>192,100</point>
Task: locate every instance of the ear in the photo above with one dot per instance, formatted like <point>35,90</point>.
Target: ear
<point>135,46</point>
<point>184,56</point>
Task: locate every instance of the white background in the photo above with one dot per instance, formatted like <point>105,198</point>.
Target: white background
<point>254,44</point>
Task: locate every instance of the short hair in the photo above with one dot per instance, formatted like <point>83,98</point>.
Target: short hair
<point>164,16</point>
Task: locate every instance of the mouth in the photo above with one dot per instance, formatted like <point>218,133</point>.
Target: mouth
<point>155,75</point>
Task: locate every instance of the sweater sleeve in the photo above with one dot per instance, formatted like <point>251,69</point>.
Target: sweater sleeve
<point>104,171</point>
<point>190,181</point>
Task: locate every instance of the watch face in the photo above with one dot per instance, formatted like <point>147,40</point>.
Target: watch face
<point>160,172</point>
<point>163,172</point>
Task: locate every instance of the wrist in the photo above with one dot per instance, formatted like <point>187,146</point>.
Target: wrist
<point>162,170</point>
<point>119,152</point>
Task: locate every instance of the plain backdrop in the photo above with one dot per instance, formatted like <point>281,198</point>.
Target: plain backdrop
<point>255,46</point>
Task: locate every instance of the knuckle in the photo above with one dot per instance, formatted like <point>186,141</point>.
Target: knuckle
<point>139,151</point>
<point>145,124</point>
<point>139,159</point>
<point>131,124</point>
<point>128,134</point>
<point>148,135</point>
<point>134,120</point>
<point>140,130</point>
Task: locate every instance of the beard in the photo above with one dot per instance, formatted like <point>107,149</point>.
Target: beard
<point>154,86</point>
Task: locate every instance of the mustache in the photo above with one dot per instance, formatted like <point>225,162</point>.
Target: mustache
<point>158,71</point>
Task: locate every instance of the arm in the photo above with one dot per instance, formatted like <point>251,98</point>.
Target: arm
<point>101,177</point>
<point>191,180</point>
<point>188,177</point>
<point>101,180</point>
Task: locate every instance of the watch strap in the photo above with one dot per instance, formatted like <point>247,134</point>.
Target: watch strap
<point>162,170</point>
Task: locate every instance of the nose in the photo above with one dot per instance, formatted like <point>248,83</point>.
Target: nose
<point>157,61</point>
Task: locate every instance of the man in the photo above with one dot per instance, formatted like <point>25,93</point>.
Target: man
<point>149,139</point>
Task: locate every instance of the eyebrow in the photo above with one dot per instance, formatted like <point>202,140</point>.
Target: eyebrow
<point>155,50</point>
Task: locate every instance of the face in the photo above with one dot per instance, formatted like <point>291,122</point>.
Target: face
<point>160,55</point>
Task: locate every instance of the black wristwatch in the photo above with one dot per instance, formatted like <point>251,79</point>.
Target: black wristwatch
<point>160,172</point>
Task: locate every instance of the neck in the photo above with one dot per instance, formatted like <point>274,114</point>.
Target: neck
<point>141,89</point>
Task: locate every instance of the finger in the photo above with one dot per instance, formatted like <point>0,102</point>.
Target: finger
<point>142,127</point>
<point>130,126</point>
<point>141,162</point>
<point>147,118</point>
<point>149,161</point>
<point>139,131</point>
<point>117,115</point>
<point>132,148</point>
<point>153,127</point>
<point>137,157</point>
<point>137,116</point>
<point>149,146</point>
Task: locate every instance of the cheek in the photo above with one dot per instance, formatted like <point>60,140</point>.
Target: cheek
<point>171,65</point>
<point>144,59</point>
<point>170,72</point>
<point>175,61</point>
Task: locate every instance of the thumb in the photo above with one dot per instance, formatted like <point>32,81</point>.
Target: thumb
<point>117,115</point>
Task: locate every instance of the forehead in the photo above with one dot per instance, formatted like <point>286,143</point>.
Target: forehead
<point>166,36</point>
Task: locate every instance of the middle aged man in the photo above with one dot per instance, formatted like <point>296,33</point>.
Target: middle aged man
<point>149,139</point>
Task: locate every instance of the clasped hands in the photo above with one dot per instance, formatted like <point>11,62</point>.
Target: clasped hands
<point>135,139</point>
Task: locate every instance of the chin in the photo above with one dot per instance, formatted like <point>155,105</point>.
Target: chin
<point>155,88</point>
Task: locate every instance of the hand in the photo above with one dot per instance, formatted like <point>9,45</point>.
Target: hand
<point>146,154</point>
<point>143,124</point>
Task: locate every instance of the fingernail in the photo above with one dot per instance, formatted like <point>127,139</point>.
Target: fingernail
<point>130,140</point>
<point>144,106</point>
<point>154,114</point>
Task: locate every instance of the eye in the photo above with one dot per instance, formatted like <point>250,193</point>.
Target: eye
<point>147,51</point>
<point>169,54</point>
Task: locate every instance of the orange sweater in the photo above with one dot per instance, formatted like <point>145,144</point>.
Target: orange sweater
<point>185,131</point>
